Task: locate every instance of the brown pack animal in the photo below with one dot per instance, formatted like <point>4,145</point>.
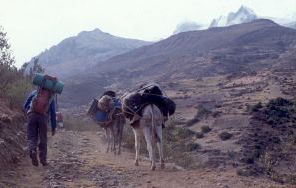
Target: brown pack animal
<point>114,131</point>
<point>113,125</point>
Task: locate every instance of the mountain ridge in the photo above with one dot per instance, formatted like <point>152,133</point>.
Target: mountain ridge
<point>83,50</point>
<point>246,47</point>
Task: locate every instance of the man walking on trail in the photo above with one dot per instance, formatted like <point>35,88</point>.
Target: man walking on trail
<point>39,106</point>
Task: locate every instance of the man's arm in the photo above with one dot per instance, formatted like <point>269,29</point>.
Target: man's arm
<point>28,101</point>
<point>52,112</point>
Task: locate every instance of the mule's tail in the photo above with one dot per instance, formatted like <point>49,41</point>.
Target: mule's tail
<point>154,131</point>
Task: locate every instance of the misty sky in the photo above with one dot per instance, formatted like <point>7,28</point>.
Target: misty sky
<point>34,25</point>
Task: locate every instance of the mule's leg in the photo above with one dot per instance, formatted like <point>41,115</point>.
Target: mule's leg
<point>113,138</point>
<point>160,145</point>
<point>149,141</point>
<point>137,145</point>
<point>154,143</point>
<point>120,132</point>
<point>108,139</point>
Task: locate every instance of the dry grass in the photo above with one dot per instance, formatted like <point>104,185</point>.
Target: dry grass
<point>80,124</point>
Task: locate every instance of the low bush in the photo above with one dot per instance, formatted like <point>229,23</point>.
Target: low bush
<point>202,112</point>
<point>205,129</point>
<point>199,135</point>
<point>256,107</point>
<point>225,136</point>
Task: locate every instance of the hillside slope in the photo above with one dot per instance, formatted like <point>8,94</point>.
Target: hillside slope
<point>239,48</point>
<point>12,136</point>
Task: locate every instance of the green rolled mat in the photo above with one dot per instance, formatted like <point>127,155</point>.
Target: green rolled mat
<point>55,86</point>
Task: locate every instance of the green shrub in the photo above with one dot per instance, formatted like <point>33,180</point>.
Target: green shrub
<point>183,133</point>
<point>216,114</point>
<point>202,112</point>
<point>199,135</point>
<point>225,136</point>
<point>205,129</point>
<point>192,146</point>
<point>256,107</point>
<point>192,122</point>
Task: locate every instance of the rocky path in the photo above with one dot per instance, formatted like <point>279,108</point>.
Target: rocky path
<point>78,159</point>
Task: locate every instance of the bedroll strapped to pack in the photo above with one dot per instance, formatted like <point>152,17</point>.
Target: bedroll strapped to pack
<point>132,104</point>
<point>150,94</point>
<point>48,82</point>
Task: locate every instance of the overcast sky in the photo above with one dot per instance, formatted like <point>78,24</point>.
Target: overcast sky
<point>34,25</point>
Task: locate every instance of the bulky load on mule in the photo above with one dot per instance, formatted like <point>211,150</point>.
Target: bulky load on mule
<point>101,108</point>
<point>106,111</point>
<point>148,109</point>
<point>148,94</point>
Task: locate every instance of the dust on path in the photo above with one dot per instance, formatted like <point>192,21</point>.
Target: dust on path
<point>78,159</point>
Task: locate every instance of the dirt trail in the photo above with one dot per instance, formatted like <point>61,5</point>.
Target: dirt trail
<point>78,159</point>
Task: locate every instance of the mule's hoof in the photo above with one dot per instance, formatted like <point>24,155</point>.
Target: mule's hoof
<point>136,163</point>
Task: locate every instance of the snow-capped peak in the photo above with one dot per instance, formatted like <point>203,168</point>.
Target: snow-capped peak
<point>243,15</point>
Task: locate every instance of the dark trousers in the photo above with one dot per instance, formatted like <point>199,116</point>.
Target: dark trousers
<point>37,129</point>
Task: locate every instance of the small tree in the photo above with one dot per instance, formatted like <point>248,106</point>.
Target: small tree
<point>14,86</point>
<point>37,68</point>
<point>7,68</point>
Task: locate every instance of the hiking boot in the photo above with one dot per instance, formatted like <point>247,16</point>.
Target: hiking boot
<point>44,163</point>
<point>33,156</point>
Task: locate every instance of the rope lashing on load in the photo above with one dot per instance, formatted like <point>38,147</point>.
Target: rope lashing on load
<point>133,111</point>
<point>136,112</point>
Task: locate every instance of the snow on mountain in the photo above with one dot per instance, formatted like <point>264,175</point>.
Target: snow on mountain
<point>243,15</point>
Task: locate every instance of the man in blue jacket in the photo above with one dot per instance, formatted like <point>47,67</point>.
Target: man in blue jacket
<point>37,128</point>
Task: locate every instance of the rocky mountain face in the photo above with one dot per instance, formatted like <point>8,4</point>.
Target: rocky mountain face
<point>238,49</point>
<point>187,26</point>
<point>72,55</point>
<point>243,15</point>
